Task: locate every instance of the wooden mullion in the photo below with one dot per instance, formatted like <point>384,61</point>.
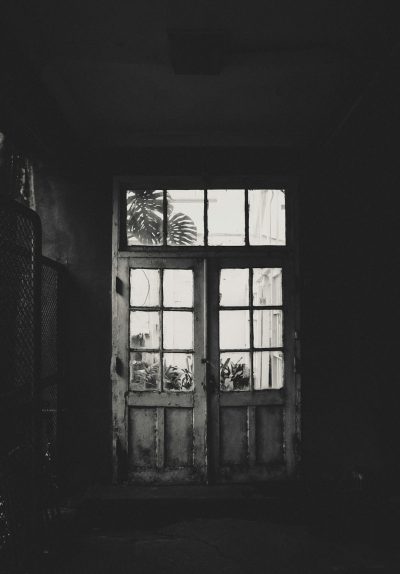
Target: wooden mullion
<point>259,349</point>
<point>246,218</point>
<point>137,308</point>
<point>254,308</point>
<point>143,350</point>
<point>235,350</point>
<point>206,217</point>
<point>251,349</point>
<point>187,309</point>
<point>165,217</point>
<point>251,328</point>
<point>267,307</point>
<point>161,330</point>
<point>182,351</point>
<point>122,217</point>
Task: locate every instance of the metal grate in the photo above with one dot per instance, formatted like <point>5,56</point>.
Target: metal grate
<point>51,279</point>
<point>17,294</point>
<point>49,327</point>
<point>20,362</point>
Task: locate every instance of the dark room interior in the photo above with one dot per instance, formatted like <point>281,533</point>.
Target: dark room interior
<point>109,108</point>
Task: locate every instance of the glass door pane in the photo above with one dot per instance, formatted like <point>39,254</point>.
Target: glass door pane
<point>250,331</point>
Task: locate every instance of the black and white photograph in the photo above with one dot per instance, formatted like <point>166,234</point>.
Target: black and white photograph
<point>199,287</point>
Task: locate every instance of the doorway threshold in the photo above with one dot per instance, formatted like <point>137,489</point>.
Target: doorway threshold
<point>262,491</point>
<point>133,504</point>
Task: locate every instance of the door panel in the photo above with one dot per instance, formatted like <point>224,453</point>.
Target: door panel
<point>252,396</point>
<point>164,386</point>
<point>159,389</point>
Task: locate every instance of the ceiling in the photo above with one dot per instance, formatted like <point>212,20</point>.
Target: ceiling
<point>290,70</point>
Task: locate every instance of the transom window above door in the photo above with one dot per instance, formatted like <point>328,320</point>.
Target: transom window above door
<point>204,217</point>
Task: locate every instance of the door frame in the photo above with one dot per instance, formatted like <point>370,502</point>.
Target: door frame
<point>286,256</point>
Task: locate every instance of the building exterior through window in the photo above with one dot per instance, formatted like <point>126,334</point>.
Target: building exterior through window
<point>205,334</point>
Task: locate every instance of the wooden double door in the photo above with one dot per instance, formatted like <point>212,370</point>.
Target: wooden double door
<point>204,388</point>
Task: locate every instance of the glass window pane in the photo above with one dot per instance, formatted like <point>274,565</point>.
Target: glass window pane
<point>178,330</point>
<point>267,328</point>
<point>144,216</point>
<point>234,329</point>
<point>235,371</point>
<point>178,372</point>
<point>268,370</point>
<point>226,217</point>
<point>185,225</point>
<point>145,329</point>
<point>267,217</point>
<point>145,287</point>
<point>267,286</point>
<point>144,371</point>
<point>234,287</point>
<point>178,288</point>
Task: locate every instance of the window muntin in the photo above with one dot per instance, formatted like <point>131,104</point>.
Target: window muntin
<point>161,330</point>
<point>209,217</point>
<point>251,332</point>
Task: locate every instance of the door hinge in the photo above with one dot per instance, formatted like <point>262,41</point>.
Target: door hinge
<point>119,286</point>
<point>119,368</point>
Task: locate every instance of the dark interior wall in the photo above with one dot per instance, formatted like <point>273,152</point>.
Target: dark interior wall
<point>76,221</point>
<point>75,207</point>
<point>350,313</point>
<point>348,261</point>
<point>348,258</point>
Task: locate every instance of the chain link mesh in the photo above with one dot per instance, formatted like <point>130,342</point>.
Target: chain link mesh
<point>19,258</point>
<point>50,372</point>
<point>49,327</point>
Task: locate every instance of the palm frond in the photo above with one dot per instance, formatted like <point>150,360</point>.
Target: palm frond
<point>181,230</point>
<point>145,215</point>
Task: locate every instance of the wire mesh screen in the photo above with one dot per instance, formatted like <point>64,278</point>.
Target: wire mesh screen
<point>49,327</point>
<point>20,361</point>
<point>50,363</point>
<point>17,295</point>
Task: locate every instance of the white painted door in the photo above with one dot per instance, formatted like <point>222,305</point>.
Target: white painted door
<point>251,370</point>
<point>159,382</point>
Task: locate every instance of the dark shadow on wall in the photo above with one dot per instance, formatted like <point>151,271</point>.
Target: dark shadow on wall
<point>76,220</point>
<point>349,213</point>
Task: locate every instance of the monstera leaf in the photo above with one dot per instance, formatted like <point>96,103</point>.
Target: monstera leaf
<point>144,215</point>
<point>181,230</point>
<point>145,220</point>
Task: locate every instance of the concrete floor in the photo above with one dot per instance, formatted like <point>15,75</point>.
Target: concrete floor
<point>208,546</point>
<point>179,537</point>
